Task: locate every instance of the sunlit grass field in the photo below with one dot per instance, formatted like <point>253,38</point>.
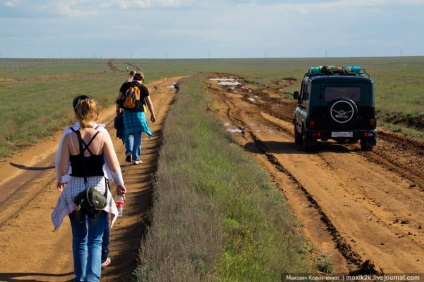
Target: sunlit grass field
<point>36,94</point>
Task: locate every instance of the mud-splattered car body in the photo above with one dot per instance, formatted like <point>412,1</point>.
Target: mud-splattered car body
<point>335,103</point>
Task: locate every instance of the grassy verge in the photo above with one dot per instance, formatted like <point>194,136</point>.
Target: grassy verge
<point>36,94</point>
<point>33,104</point>
<point>406,131</point>
<point>215,216</point>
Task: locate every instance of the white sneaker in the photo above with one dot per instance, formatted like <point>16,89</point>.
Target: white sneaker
<point>137,162</point>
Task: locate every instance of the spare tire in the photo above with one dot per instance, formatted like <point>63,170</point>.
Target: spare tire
<point>342,111</point>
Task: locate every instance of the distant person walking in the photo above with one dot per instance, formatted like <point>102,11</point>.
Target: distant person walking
<point>97,149</point>
<point>134,119</point>
<point>130,76</point>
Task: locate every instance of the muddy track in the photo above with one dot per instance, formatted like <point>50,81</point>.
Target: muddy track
<point>29,248</point>
<point>361,210</point>
<point>114,68</point>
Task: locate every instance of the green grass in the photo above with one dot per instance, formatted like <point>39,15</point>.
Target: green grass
<point>216,216</point>
<point>34,108</point>
<point>35,94</point>
<point>403,130</point>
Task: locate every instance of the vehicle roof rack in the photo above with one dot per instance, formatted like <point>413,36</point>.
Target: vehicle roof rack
<point>336,70</point>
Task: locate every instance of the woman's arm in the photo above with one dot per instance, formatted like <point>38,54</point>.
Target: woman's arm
<point>64,156</point>
<point>118,99</point>
<point>59,150</point>
<point>112,162</point>
<point>151,108</point>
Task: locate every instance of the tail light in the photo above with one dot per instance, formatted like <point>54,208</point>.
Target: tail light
<point>311,123</point>
<point>372,122</point>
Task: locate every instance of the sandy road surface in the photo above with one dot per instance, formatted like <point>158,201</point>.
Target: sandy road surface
<point>363,211</point>
<point>29,248</point>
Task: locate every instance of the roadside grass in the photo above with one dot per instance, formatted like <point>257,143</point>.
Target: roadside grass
<point>402,129</point>
<point>399,93</point>
<point>36,94</point>
<point>34,108</point>
<point>215,215</point>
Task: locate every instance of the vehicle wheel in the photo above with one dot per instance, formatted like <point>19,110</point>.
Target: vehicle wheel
<point>365,146</point>
<point>306,146</point>
<point>297,137</point>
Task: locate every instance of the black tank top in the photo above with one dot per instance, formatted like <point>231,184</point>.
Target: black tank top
<point>93,163</point>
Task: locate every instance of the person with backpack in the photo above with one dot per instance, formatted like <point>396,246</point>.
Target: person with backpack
<point>86,150</point>
<point>106,260</point>
<point>131,97</point>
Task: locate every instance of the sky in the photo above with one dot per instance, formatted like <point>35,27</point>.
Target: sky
<point>210,28</point>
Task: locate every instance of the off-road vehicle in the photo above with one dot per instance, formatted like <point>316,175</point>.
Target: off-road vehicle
<point>335,103</point>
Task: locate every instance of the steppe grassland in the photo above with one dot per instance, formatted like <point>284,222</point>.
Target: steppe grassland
<point>36,101</point>
<point>36,94</point>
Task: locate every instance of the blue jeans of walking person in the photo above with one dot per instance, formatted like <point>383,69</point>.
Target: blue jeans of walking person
<point>105,242</point>
<point>133,145</point>
<point>87,236</point>
<point>135,124</point>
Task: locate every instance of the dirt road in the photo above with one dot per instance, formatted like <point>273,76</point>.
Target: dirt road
<point>29,248</point>
<point>361,211</point>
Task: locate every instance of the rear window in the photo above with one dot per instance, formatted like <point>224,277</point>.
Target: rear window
<point>331,93</point>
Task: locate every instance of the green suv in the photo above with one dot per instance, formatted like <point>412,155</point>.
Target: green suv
<point>335,103</point>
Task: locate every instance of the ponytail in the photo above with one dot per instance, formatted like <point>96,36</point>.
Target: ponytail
<point>86,112</point>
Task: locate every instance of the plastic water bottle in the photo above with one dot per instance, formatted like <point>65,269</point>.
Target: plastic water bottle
<point>120,205</point>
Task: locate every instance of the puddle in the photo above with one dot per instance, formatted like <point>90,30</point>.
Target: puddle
<point>229,83</point>
<point>226,81</point>
<point>234,130</point>
<point>172,85</point>
<point>222,79</point>
<point>269,131</point>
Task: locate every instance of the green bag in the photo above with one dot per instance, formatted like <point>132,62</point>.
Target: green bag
<point>91,202</point>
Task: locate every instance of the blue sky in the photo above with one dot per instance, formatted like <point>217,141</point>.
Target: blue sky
<point>210,28</point>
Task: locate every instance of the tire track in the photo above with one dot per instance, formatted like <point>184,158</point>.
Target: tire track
<point>265,122</point>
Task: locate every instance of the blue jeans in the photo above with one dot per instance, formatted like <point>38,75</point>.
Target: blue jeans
<point>133,145</point>
<point>87,234</point>
<point>105,243</point>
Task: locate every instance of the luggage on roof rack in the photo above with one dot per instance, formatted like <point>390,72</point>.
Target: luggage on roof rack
<point>335,69</point>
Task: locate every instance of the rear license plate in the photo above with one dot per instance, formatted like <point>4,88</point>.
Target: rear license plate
<point>342,134</point>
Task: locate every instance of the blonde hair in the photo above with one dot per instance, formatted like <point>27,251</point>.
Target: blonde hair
<point>86,112</point>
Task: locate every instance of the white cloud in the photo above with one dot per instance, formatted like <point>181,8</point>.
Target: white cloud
<point>225,28</point>
<point>10,3</point>
<point>72,9</point>
<point>143,4</point>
